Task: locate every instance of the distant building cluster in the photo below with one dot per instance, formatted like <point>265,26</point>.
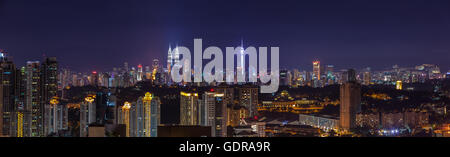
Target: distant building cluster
<point>327,75</point>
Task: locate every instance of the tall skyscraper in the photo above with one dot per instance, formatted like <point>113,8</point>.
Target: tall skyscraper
<point>147,115</point>
<point>34,109</point>
<point>316,70</point>
<point>220,123</point>
<point>398,85</point>
<point>54,116</point>
<point>213,112</point>
<point>206,109</point>
<point>125,117</point>
<point>169,59</point>
<point>140,73</point>
<point>366,78</point>
<point>350,102</point>
<point>148,73</point>
<point>173,57</point>
<point>94,78</point>
<point>155,116</point>
<point>7,94</point>
<point>48,90</point>
<point>188,108</point>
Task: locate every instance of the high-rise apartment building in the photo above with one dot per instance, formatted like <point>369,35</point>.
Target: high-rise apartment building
<point>350,102</point>
<point>188,108</point>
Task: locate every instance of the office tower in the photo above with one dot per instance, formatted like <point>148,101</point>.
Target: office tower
<point>140,73</point>
<point>350,102</point>
<point>316,70</point>
<point>132,76</point>
<point>7,94</point>
<point>48,89</point>
<point>87,114</point>
<point>330,74</point>
<point>173,58</point>
<point>188,108</point>
<point>248,97</point>
<point>34,110</point>
<point>169,60</point>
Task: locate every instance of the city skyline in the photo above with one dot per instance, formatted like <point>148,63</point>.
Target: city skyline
<point>376,34</point>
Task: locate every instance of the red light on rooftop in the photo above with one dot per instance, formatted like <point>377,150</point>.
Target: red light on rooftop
<point>139,66</point>
<point>94,72</point>
<point>212,90</point>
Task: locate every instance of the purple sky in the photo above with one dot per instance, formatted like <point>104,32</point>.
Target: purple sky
<point>90,35</point>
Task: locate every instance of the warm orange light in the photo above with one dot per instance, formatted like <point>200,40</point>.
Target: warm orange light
<point>126,106</point>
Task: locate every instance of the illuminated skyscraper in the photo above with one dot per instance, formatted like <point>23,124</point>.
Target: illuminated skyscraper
<point>213,112</point>
<point>172,58</point>
<point>188,108</point>
<point>330,74</point>
<point>155,67</point>
<point>316,70</point>
<point>350,102</point>
<point>169,59</point>
<point>398,85</point>
<point>140,73</point>
<point>148,115</point>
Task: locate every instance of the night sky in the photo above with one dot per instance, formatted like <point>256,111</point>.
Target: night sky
<point>90,35</point>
